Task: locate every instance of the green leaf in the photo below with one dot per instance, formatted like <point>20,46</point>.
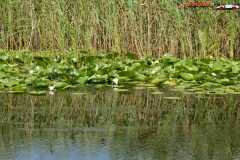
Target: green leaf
<point>226,81</point>
<point>37,92</point>
<point>191,68</point>
<point>82,80</point>
<point>159,81</point>
<point>98,78</point>
<point>4,57</point>
<point>58,85</point>
<point>131,56</point>
<point>217,66</point>
<point>143,78</point>
<point>167,56</point>
<point>235,68</point>
<point>10,82</point>
<point>129,74</point>
<point>187,76</point>
<point>18,59</point>
<point>42,83</point>
<point>2,74</point>
<point>18,88</point>
<point>112,56</point>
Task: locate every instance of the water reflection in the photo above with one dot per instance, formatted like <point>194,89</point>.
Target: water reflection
<point>113,125</point>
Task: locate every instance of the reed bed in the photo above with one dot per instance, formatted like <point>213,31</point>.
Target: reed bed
<point>142,27</point>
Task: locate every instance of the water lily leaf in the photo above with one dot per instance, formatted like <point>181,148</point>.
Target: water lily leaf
<point>173,59</point>
<point>58,85</point>
<point>169,68</point>
<point>139,88</point>
<point>235,68</point>
<point>216,66</point>
<point>98,78</point>
<point>159,81</point>
<point>90,59</point>
<point>167,56</point>
<point>187,76</point>
<point>47,71</point>
<point>10,82</point>
<point>78,93</point>
<point>112,56</point>
<point>37,92</point>
<point>177,89</point>
<point>225,81</point>
<point>4,58</point>
<point>191,68</point>
<point>69,86</point>
<point>175,74</point>
<point>18,88</point>
<point>55,75</point>
<point>8,69</point>
<point>157,92</point>
<point>205,60</point>
<point>43,83</point>
<point>143,78</point>
<point>121,89</point>
<point>129,74</point>
<point>82,80</point>
<point>179,64</point>
<point>18,59</point>
<point>30,80</point>
<point>41,58</point>
<point>131,56</point>
<point>225,60</point>
<point>42,64</point>
<point>101,86</point>
<point>2,74</point>
<point>170,82</point>
<point>17,92</point>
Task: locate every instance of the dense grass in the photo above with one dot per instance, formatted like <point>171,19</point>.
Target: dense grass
<point>142,27</point>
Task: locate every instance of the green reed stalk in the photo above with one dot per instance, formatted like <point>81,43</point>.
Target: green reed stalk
<point>232,28</point>
<point>153,27</point>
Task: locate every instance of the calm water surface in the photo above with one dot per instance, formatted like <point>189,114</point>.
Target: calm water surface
<point>112,125</point>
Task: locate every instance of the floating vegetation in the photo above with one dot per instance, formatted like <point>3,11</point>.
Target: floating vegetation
<point>20,72</point>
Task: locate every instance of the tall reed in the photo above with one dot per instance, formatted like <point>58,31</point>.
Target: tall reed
<point>153,27</point>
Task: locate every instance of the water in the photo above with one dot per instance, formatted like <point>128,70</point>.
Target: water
<point>111,125</point>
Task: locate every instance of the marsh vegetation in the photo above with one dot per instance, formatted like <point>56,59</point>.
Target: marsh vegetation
<point>153,27</point>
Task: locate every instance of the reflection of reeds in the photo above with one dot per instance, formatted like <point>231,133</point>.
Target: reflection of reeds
<point>106,108</point>
<point>152,27</point>
<point>160,126</point>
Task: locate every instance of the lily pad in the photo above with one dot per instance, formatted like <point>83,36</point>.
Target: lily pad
<point>37,92</point>
<point>78,93</point>
<point>187,76</point>
<point>157,92</point>
<point>121,89</point>
<point>82,80</point>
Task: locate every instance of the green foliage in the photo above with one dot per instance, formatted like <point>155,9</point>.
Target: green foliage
<point>64,72</point>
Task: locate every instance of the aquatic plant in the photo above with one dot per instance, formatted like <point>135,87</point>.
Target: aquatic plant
<point>24,71</point>
<point>152,28</point>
